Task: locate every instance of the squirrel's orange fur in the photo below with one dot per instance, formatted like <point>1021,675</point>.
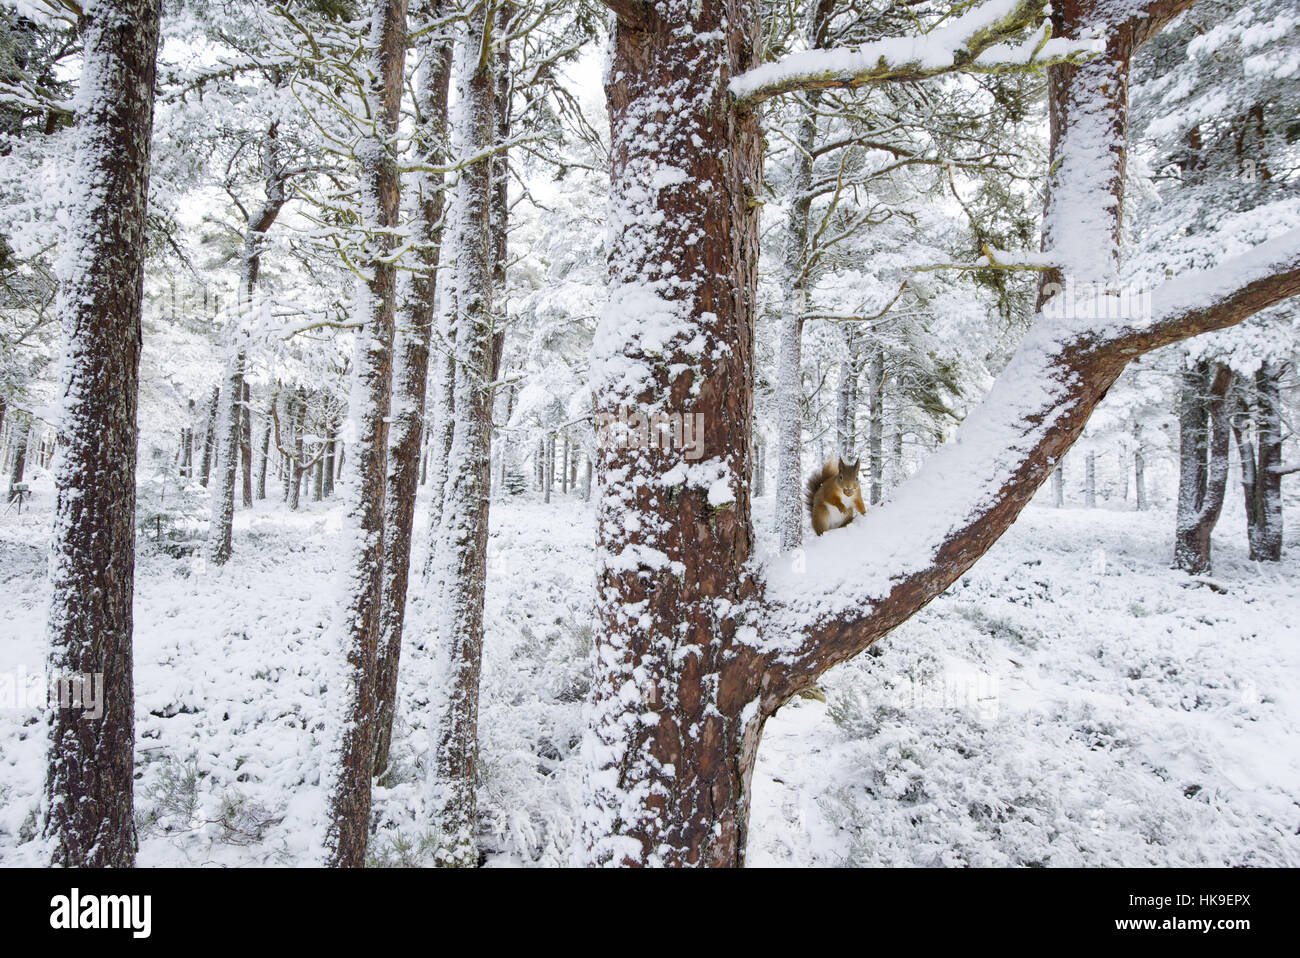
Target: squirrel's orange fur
<point>833,495</point>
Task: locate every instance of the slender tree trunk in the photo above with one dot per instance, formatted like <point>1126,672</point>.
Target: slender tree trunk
<point>463,550</point>
<point>846,407</point>
<point>876,423</point>
<point>1090,481</point>
<point>18,462</point>
<point>1139,470</point>
<point>226,431</point>
<point>246,446</point>
<point>265,459</point>
<point>407,435</point>
<point>89,789</point>
<point>210,435</point>
<point>1058,485</point>
<point>357,627</point>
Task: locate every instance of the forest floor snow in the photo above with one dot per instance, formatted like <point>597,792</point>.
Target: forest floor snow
<point>1071,701</point>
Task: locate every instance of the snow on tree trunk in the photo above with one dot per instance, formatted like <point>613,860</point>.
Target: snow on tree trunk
<point>461,562</point>
<point>227,449</point>
<point>1203,435</point>
<point>210,435</point>
<point>246,446</point>
<point>18,463</point>
<point>789,369</point>
<point>89,819</point>
<point>876,424</point>
<point>1090,481</point>
<point>1266,542</point>
<point>419,299</point>
<point>846,405</point>
<point>671,744</point>
<point>350,755</point>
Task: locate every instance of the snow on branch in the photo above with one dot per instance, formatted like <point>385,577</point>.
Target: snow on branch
<point>1216,298</point>
<point>982,40</point>
<point>829,603</point>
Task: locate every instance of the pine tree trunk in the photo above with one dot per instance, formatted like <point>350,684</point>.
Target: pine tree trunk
<point>1204,432</point>
<point>412,350</point>
<point>246,447</point>
<point>90,782</point>
<point>876,424</point>
<point>18,462</point>
<point>357,627</point>
<point>1266,542</point>
<point>462,555</point>
<point>210,436</point>
<point>226,431</point>
<point>1058,485</point>
<point>1090,481</point>
<point>672,787</point>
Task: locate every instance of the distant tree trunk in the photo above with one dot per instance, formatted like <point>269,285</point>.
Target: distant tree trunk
<point>299,426</point>
<point>760,467</point>
<point>246,447</point>
<point>318,480</point>
<point>1139,472</point>
<point>266,450</point>
<point>187,444</point>
<point>357,628</point>
<point>17,465</point>
<point>1058,484</point>
<point>1203,435</point>
<point>846,407</point>
<point>876,423</point>
<point>586,482</point>
<point>226,431</point>
<point>463,550</point>
<point>564,466</point>
<point>210,435</point>
<point>89,788</point>
<point>1090,481</point>
<point>331,453</point>
<point>412,350</point>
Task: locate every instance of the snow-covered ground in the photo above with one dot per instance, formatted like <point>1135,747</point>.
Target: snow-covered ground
<point>1071,701</point>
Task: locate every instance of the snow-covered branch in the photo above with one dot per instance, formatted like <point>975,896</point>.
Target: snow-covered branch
<point>986,39</point>
<point>829,604</point>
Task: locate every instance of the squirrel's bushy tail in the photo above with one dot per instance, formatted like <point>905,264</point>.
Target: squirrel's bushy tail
<point>815,481</point>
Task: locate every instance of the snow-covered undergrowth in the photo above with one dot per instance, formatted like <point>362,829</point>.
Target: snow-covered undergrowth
<point>1072,701</point>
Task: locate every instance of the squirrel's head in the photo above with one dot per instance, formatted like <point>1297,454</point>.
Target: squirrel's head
<point>847,476</point>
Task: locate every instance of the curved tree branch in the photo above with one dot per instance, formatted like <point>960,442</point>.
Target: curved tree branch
<point>835,601</point>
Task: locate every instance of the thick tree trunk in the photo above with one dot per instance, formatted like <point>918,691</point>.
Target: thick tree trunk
<point>352,758</point>
<point>1266,541</point>
<point>462,553</point>
<point>1261,460</point>
<point>671,740</point>
<point>90,783</point>
<point>1203,436</point>
<point>407,436</point>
